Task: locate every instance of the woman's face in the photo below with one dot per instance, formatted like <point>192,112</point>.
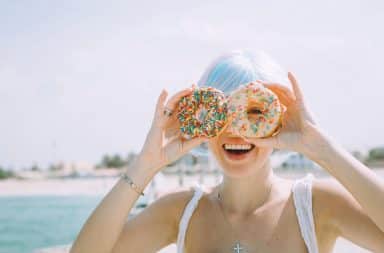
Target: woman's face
<point>236,156</point>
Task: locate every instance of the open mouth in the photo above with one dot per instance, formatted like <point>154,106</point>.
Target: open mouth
<point>238,149</point>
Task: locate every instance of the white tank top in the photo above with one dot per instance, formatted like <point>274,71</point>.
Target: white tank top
<point>302,198</point>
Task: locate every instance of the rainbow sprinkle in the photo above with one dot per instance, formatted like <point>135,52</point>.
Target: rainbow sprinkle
<point>203,113</point>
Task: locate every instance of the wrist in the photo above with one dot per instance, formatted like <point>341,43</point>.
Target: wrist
<point>147,162</point>
<point>140,173</point>
<point>316,144</point>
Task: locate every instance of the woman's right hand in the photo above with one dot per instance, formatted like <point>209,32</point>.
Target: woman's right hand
<point>164,143</point>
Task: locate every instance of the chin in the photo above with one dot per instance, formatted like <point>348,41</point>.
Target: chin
<point>238,158</point>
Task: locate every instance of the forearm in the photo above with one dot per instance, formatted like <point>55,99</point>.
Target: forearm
<point>103,227</point>
<point>363,183</point>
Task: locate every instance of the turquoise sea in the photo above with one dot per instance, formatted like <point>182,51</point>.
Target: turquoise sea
<point>31,222</point>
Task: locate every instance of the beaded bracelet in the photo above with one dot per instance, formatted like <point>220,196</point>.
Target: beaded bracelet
<point>127,179</point>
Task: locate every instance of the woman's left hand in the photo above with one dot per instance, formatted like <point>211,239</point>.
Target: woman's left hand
<point>299,131</point>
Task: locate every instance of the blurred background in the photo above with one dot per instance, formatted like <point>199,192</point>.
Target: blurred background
<point>79,82</point>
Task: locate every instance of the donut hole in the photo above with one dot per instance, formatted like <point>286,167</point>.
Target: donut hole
<point>255,110</point>
<point>254,114</point>
<point>201,114</point>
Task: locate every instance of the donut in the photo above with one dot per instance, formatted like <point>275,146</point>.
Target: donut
<point>202,113</point>
<point>254,111</point>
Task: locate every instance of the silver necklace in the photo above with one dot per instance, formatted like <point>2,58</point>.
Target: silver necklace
<point>237,246</point>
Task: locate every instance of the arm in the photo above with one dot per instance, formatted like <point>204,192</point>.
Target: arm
<point>149,231</point>
<point>361,182</point>
<point>155,227</point>
<point>337,213</point>
<point>360,205</point>
<point>103,227</point>
<point>106,230</point>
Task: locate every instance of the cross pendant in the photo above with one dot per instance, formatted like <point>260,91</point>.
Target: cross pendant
<point>238,248</point>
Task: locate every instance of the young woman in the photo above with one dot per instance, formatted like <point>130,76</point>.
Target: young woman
<point>251,210</point>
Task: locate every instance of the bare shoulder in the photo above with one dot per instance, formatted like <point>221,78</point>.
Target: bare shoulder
<point>328,187</point>
<point>328,197</point>
<point>177,196</point>
<point>158,223</point>
<point>175,199</point>
<point>334,202</point>
<point>325,191</point>
<point>172,204</point>
<point>340,214</point>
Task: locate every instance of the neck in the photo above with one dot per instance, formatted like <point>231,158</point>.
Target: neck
<point>244,195</point>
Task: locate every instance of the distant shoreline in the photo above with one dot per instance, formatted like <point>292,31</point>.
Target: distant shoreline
<point>100,186</point>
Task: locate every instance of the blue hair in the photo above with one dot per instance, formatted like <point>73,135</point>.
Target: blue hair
<point>238,67</point>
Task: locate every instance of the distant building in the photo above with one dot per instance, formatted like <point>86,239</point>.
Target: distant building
<point>188,164</point>
<point>375,158</point>
<point>73,169</point>
<point>296,161</point>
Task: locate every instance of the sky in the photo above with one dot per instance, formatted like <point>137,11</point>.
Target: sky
<point>79,79</point>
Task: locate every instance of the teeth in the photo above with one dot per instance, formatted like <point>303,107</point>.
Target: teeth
<point>237,146</point>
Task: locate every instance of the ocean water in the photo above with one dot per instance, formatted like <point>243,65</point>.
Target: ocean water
<point>28,223</point>
<point>31,222</point>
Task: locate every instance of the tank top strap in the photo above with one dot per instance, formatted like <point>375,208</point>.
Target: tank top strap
<point>302,197</point>
<point>188,211</point>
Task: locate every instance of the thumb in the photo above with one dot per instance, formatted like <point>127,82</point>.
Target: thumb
<point>263,142</point>
<point>160,102</point>
<point>187,145</point>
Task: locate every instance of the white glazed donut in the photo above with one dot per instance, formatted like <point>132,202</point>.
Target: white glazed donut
<point>254,111</point>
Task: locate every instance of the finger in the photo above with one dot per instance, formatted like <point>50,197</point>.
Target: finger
<point>277,86</point>
<point>283,97</point>
<point>271,83</point>
<point>263,142</point>
<point>295,86</point>
<point>172,102</point>
<point>310,116</point>
<point>160,101</point>
<point>172,132</point>
<point>283,108</point>
<point>187,145</point>
<point>284,93</point>
<point>300,95</point>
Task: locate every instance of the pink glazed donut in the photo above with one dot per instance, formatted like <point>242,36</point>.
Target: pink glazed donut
<point>254,111</point>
